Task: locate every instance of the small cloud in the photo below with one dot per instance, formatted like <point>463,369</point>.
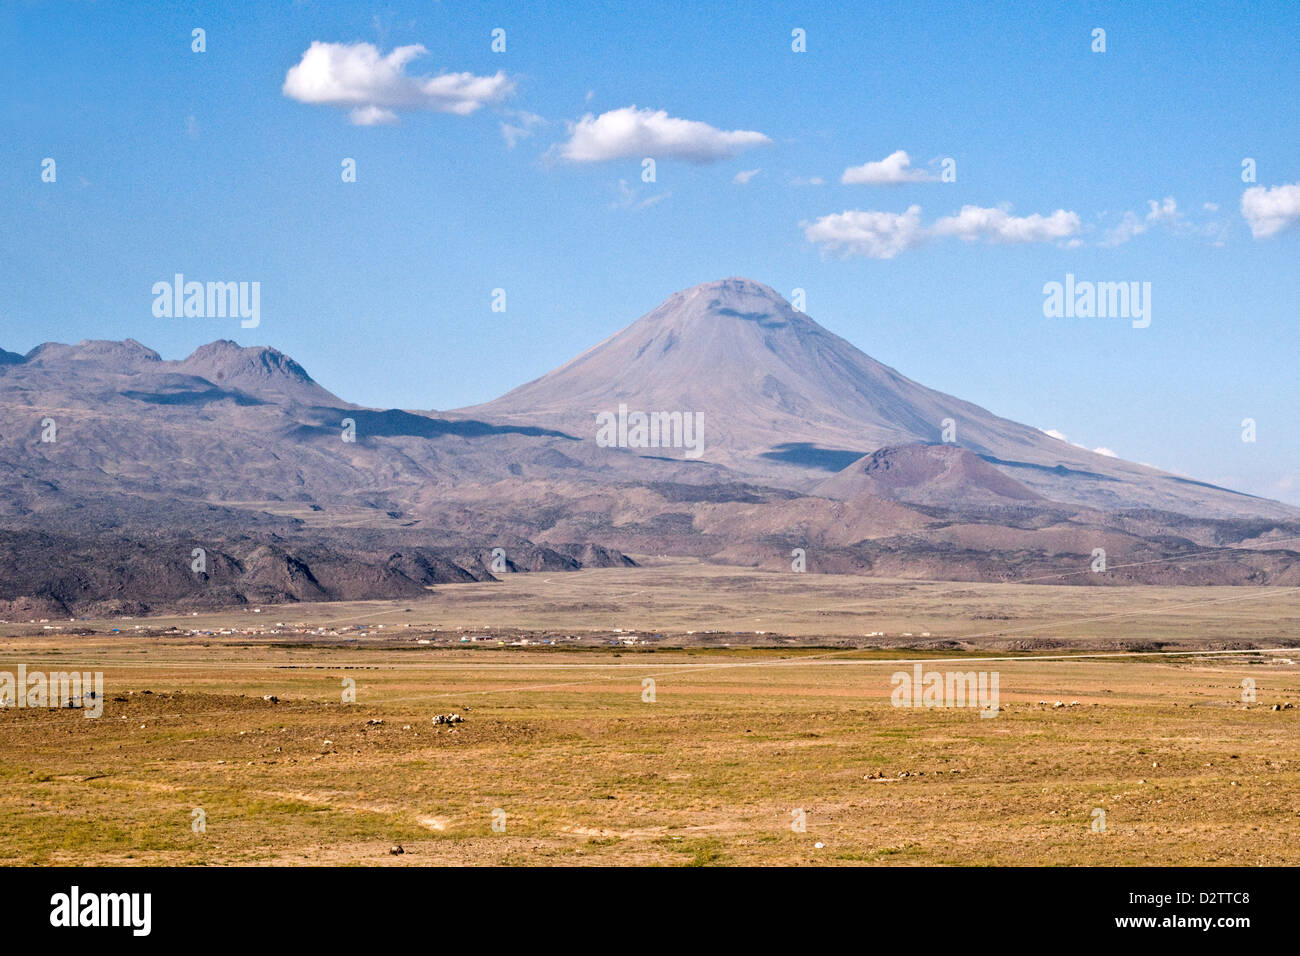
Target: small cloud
<point>894,169</point>
<point>1167,214</point>
<point>808,181</point>
<point>520,126</point>
<point>632,132</point>
<point>1128,227</point>
<point>191,127</point>
<point>1164,211</point>
<point>744,176</point>
<point>1060,436</point>
<point>374,86</point>
<point>1268,211</point>
<point>873,235</point>
<point>513,134</point>
<point>372,116</point>
<point>630,198</point>
<point>998,225</point>
<point>883,235</point>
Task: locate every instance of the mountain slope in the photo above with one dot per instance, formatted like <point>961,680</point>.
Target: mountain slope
<point>258,371</point>
<point>928,474</point>
<point>238,450</point>
<point>785,400</point>
<point>250,428</point>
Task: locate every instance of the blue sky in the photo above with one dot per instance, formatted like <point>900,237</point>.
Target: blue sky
<point>172,161</point>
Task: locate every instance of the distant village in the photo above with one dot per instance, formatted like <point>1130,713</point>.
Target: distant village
<point>434,635</point>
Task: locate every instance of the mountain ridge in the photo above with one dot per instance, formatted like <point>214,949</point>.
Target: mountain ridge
<point>237,449</point>
<point>225,364</point>
<point>789,402</point>
<point>784,401</point>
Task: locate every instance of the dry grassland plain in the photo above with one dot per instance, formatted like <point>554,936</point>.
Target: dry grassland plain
<point>562,758</point>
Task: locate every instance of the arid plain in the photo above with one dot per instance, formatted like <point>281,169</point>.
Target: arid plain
<point>768,735</point>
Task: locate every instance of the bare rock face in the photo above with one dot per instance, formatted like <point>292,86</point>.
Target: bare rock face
<point>32,607</point>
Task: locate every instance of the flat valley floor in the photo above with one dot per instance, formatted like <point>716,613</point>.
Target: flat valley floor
<point>767,735</point>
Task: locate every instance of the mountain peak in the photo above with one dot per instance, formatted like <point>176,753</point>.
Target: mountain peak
<point>227,361</point>
<point>927,473</point>
<point>126,353</point>
<point>734,349</point>
<point>734,287</point>
<point>257,370</point>
<point>787,400</point>
<point>736,298</point>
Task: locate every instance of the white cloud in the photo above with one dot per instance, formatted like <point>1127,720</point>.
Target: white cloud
<point>883,235</point>
<point>875,235</point>
<point>520,126</point>
<point>1060,436</point>
<point>374,85</point>
<point>1165,211</point>
<point>1128,227</point>
<point>998,225</point>
<point>372,116</point>
<point>630,198</point>
<point>808,181</point>
<point>628,132</point>
<point>744,176</point>
<point>893,169</point>
<point>513,134</point>
<point>1269,211</point>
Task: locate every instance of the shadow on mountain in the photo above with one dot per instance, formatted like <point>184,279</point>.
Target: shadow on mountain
<point>395,423</point>
<point>765,319</point>
<point>205,396</point>
<point>1206,484</point>
<point>809,455</point>
<point>1048,469</point>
